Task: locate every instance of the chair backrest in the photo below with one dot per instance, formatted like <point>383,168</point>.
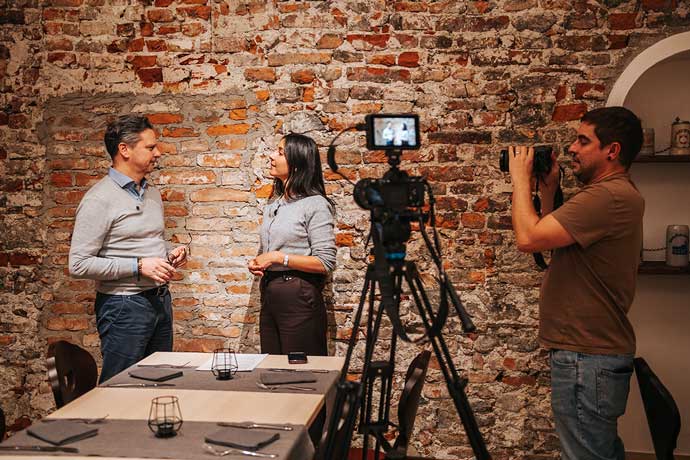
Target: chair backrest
<point>662,413</point>
<point>72,371</point>
<point>2,425</point>
<point>409,399</point>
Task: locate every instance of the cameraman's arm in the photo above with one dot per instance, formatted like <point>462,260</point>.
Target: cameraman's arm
<point>531,233</point>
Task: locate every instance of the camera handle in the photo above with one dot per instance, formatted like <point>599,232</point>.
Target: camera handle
<point>557,202</point>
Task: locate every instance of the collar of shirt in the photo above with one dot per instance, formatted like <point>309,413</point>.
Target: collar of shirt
<point>128,183</point>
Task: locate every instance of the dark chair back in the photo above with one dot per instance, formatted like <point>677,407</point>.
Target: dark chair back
<point>2,425</point>
<point>72,371</point>
<point>409,399</point>
<point>662,413</point>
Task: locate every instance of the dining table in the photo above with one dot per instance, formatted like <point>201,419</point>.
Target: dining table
<point>212,411</point>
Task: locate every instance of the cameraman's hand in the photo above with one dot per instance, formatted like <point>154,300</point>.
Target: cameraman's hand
<point>549,184</point>
<point>520,159</point>
<point>157,269</point>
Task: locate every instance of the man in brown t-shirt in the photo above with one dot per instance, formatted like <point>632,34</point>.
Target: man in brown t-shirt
<point>590,284</point>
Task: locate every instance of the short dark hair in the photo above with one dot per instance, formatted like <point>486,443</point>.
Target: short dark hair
<point>305,177</point>
<point>617,124</point>
<point>125,129</point>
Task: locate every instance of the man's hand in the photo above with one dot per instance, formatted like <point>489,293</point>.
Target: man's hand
<point>157,269</point>
<point>178,256</point>
<point>520,160</point>
<point>549,183</point>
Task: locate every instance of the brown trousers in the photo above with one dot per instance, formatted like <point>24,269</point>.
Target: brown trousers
<point>293,313</point>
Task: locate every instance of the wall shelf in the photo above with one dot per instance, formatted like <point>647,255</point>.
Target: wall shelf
<point>662,159</point>
<point>660,268</point>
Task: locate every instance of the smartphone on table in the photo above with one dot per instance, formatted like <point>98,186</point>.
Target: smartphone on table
<point>297,357</point>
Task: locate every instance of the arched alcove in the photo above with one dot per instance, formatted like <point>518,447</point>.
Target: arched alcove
<point>655,85</point>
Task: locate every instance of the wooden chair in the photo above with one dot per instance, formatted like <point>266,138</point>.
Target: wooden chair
<point>72,371</point>
<point>661,410</point>
<point>407,412</point>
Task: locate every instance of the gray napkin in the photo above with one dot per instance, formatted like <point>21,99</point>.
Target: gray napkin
<point>279,378</point>
<point>62,432</point>
<point>155,374</point>
<point>242,438</point>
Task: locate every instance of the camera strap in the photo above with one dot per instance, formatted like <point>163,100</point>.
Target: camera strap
<point>557,202</point>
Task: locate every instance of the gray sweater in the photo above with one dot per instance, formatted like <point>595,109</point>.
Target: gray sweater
<point>111,230</point>
<point>302,226</point>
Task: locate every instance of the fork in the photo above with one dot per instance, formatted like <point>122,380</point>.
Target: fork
<point>222,453</point>
<point>86,421</point>
<point>168,366</point>
<point>286,387</point>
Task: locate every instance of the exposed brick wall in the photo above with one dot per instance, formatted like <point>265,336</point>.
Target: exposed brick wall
<point>221,79</point>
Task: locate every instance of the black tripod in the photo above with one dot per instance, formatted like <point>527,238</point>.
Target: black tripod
<point>387,272</point>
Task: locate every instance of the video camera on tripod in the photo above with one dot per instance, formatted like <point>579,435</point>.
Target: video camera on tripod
<point>395,201</point>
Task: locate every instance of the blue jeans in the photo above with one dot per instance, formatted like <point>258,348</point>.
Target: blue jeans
<point>588,394</point>
<point>132,327</point>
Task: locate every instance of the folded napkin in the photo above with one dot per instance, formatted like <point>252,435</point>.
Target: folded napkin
<point>242,438</point>
<point>278,378</point>
<point>62,432</point>
<point>155,374</point>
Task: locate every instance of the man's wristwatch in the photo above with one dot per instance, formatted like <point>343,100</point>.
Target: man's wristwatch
<point>286,259</point>
<point>139,268</point>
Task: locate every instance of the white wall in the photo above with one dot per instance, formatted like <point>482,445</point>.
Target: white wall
<point>661,311</point>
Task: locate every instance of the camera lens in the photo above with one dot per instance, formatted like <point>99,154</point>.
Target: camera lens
<point>503,161</point>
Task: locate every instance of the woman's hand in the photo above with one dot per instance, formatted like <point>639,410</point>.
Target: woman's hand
<point>260,263</point>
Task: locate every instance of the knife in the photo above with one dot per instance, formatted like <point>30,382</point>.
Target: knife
<point>316,371</point>
<point>137,385</point>
<point>69,450</point>
<point>249,426</point>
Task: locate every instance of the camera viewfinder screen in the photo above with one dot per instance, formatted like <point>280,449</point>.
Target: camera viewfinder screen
<point>394,132</point>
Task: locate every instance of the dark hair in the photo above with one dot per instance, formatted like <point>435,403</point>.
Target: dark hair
<point>125,129</point>
<point>305,177</point>
<point>617,124</point>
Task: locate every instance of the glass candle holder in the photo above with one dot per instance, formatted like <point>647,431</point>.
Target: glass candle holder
<point>165,418</point>
<point>224,365</point>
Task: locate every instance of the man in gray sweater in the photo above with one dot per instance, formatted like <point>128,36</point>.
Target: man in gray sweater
<point>118,242</point>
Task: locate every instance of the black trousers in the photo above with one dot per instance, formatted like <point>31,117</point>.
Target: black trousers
<point>293,313</point>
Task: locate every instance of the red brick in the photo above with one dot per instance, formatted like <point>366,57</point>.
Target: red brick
<point>59,44</point>
<point>70,164</point>
<point>308,96</point>
<point>329,41</point>
<point>156,45</point>
<point>179,132</point>
<point>125,30</point>
<point>222,130</point>
<point>408,59</point>
<point>617,42</point>
<point>344,239</point>
<point>67,308</point>
<point>17,259</point>
<point>172,195</point>
<point>188,177</point>
<point>136,45</point>
<point>67,324</point>
<point>176,211</point>
<point>201,12</point>
<point>160,15</point>
<point>220,160</point>
<point>150,75</point>
<point>260,74</point>
<point>303,76</point>
<point>382,59</point>
<point>146,29</point>
<point>168,29</point>
<point>6,340</point>
<point>238,114</point>
<point>70,197</point>
<point>84,180</point>
<point>473,220</point>
<point>198,345</point>
<point>142,61</point>
<point>582,89</point>
<point>165,118</point>
<point>61,179</point>
<point>163,3</point>
<point>660,5</point>
<point>193,29</point>
<point>219,194</point>
<point>569,112</point>
<point>379,40</point>
<point>622,21</point>
<point>264,191</point>
<point>262,94</point>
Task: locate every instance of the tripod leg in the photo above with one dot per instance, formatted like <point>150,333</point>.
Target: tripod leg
<point>455,384</point>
